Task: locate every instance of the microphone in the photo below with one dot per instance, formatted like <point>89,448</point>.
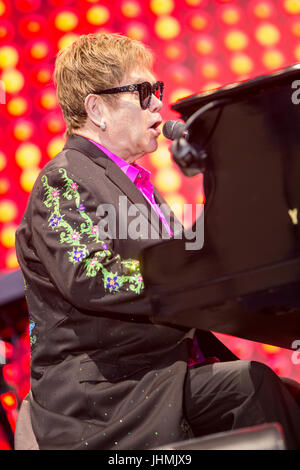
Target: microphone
<point>174,130</point>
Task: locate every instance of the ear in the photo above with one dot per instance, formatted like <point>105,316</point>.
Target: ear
<point>94,108</point>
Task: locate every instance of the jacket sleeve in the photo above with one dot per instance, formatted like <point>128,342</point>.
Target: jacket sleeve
<point>84,268</point>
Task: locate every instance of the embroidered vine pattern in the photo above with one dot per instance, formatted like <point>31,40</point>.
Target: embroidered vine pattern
<point>75,238</point>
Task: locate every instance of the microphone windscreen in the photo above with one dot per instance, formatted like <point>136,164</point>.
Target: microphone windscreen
<point>173,129</point>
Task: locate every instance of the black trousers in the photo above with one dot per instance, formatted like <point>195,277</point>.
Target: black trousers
<point>231,395</point>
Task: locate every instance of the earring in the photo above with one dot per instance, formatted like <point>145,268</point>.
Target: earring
<point>103,126</point>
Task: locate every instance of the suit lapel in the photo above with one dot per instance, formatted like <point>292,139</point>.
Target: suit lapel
<point>114,173</point>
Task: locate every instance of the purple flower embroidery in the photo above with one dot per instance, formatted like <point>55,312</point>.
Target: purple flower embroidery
<point>78,255</point>
<point>73,186</point>
<point>54,220</point>
<point>112,282</point>
<point>140,279</point>
<point>104,246</point>
<point>55,193</point>
<point>75,236</point>
<point>81,207</point>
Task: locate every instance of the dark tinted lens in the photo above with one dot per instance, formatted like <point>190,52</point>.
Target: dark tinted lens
<point>157,91</point>
<point>145,94</point>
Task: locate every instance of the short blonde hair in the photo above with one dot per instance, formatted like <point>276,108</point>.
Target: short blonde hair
<point>92,63</point>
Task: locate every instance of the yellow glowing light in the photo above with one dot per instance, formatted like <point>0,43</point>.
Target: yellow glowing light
<point>67,40</point>
<point>13,80</point>
<point>167,180</point>
<point>273,59</point>
<point>2,8</point>
<point>176,202</point>
<point>292,6</point>
<point>211,86</point>
<point>236,40</point>
<point>198,22</point>
<point>39,50</point>
<point>209,70</point>
<point>230,16</point>
<point>136,31</point>
<point>43,75</point>
<point>3,31</point>
<point>167,27</point>
<point>267,34</point>
<point>130,9</point>
<point>48,100</point>
<point>200,198</point>
<point>55,146</point>
<point>161,157</point>
<point>295,28</point>
<point>3,161</point>
<point>297,52</point>
<point>23,130</point>
<point>269,349</point>
<point>162,7</point>
<point>241,64</point>
<point>28,155</point>
<point>7,235</point>
<point>180,93</point>
<point>28,178</point>
<point>17,106</point>
<point>11,260</point>
<point>262,10</point>
<point>173,52</point>
<point>8,211</point>
<point>4,185</point>
<point>9,57</point>
<point>66,21</point>
<point>98,15</point>
<point>204,46</point>
<point>194,3</point>
<point>33,26</point>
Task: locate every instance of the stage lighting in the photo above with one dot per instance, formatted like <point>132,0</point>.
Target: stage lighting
<point>167,27</point>
<point>8,211</point>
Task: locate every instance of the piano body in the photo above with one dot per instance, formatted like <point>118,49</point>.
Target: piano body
<point>245,280</point>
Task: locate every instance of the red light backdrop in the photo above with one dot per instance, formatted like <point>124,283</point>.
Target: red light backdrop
<point>198,44</point>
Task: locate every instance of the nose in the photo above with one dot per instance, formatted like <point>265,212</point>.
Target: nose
<point>155,104</point>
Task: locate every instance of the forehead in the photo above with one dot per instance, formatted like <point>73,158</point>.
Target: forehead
<point>138,76</point>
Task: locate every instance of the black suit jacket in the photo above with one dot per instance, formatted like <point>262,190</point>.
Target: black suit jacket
<point>103,376</point>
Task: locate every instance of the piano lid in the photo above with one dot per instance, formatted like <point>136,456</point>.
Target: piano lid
<point>239,90</point>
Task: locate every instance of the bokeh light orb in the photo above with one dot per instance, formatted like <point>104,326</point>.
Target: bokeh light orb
<point>167,27</point>
<point>11,260</point>
<point>55,146</point>
<point>168,180</point>
<point>7,235</point>
<point>98,15</point>
<point>292,6</point>
<point>66,20</point>
<point>28,178</point>
<point>267,34</point>
<point>8,210</point>
<point>67,40</point>
<point>236,40</point>
<point>13,80</point>
<point>241,64</point>
<point>3,161</point>
<point>28,155</point>
<point>17,106</point>
<point>130,8</point>
<point>23,129</point>
<point>161,7</point>
<point>9,56</point>
<point>4,185</point>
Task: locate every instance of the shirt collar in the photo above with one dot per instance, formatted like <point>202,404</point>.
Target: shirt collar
<point>133,171</point>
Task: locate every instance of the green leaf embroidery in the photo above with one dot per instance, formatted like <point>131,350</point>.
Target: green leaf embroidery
<point>79,253</point>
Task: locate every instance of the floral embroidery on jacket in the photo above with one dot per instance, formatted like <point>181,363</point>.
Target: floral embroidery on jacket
<point>75,238</point>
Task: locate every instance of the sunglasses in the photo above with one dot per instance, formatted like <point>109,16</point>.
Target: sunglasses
<point>145,90</point>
